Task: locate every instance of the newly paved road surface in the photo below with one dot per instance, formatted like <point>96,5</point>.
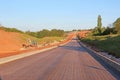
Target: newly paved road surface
<point>68,62</point>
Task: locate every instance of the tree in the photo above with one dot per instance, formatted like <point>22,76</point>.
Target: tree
<point>99,24</point>
<point>43,33</point>
<point>31,33</point>
<point>98,30</point>
<point>58,33</point>
<point>46,33</point>
<point>117,25</point>
<point>108,30</point>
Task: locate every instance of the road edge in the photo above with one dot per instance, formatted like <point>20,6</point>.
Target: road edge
<point>26,54</point>
<point>112,63</point>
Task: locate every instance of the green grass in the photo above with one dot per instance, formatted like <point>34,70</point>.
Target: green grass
<point>106,43</point>
<point>41,41</point>
<point>50,39</point>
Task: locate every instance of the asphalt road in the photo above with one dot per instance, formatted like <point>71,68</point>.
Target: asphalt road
<point>68,62</point>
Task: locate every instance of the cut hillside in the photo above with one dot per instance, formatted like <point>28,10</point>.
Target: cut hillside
<point>9,41</point>
<point>12,41</point>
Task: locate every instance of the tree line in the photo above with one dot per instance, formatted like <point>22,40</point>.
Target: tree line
<point>38,34</point>
<point>114,28</point>
<point>46,33</point>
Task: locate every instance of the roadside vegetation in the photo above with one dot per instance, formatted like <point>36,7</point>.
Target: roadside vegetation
<point>47,33</point>
<point>107,43</point>
<point>39,38</point>
<point>10,29</point>
<point>105,38</point>
<point>40,41</point>
<point>46,37</point>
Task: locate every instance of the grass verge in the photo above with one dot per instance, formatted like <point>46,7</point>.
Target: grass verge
<point>108,43</point>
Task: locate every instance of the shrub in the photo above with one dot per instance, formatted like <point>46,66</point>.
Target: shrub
<point>10,29</point>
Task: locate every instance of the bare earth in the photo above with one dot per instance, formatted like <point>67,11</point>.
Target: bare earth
<point>68,62</point>
<point>9,42</point>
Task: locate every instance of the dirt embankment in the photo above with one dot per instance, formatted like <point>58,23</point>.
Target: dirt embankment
<point>11,43</point>
<point>83,33</point>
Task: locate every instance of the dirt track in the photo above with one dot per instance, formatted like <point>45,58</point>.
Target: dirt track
<point>68,62</point>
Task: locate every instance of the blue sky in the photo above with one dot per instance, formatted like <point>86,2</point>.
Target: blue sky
<point>35,15</point>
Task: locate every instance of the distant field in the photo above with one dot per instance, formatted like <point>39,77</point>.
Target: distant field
<point>108,43</point>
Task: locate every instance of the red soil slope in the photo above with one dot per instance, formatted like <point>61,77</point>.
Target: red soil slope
<point>9,42</point>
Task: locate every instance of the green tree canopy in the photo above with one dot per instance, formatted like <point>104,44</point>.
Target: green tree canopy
<point>117,25</point>
<point>47,33</point>
<point>99,21</point>
<point>98,30</point>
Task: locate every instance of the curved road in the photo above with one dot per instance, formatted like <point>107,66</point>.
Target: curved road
<point>68,62</point>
